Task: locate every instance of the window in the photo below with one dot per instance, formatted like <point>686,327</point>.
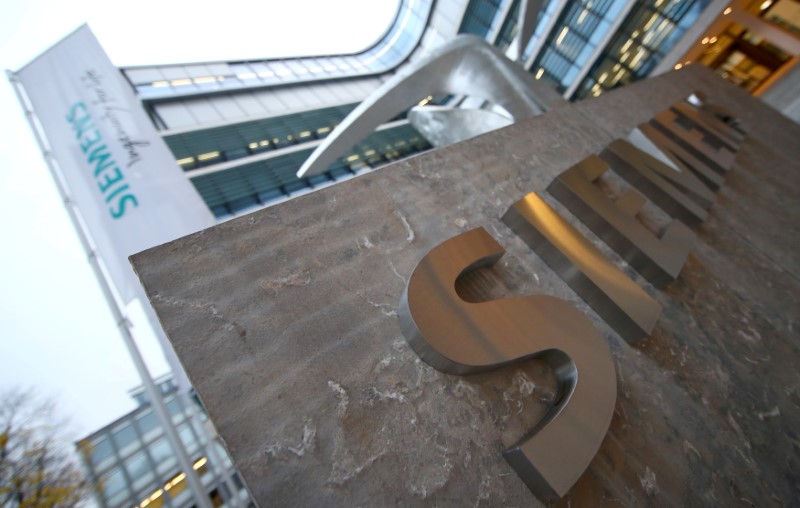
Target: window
<point>137,465</point>
<point>139,470</point>
<point>161,451</point>
<point>148,424</point>
<point>187,437</point>
<point>124,436</point>
<point>101,450</point>
<point>114,488</point>
<point>175,409</point>
<point>162,455</point>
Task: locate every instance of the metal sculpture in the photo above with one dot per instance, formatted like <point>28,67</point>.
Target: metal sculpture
<point>467,65</point>
<point>443,126</point>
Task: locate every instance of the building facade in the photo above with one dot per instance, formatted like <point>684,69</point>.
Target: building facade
<point>241,130</point>
<point>131,463</point>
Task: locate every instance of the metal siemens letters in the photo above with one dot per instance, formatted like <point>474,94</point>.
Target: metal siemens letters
<point>684,160</point>
<point>699,142</point>
<point>667,188</point>
<point>459,337</point>
<point>659,260</point>
<point>612,294</point>
<point>710,124</point>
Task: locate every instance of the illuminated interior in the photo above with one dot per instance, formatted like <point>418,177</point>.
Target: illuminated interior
<point>173,486</point>
<point>751,43</point>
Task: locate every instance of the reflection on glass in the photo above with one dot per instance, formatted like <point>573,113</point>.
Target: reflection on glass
<point>101,451</point>
<point>649,31</point>
<point>742,57</point>
<point>581,26</point>
<point>137,465</point>
<point>124,435</point>
<point>395,45</point>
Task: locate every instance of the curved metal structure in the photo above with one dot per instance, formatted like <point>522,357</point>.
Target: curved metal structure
<point>444,126</point>
<point>467,65</point>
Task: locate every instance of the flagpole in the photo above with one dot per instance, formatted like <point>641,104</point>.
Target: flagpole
<point>123,324</point>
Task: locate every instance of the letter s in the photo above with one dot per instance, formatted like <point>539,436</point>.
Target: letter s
<point>120,211</point>
<point>74,110</point>
<point>459,337</point>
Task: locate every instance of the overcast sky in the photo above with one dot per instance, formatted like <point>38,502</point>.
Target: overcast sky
<point>56,332</point>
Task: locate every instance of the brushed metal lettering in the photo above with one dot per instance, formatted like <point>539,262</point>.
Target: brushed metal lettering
<point>460,337</point>
<point>671,190</point>
<point>703,145</point>
<point>699,100</point>
<point>678,154</point>
<point>624,305</point>
<point>658,258</point>
<point>706,120</point>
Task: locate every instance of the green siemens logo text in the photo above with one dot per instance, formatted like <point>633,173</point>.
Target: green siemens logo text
<point>110,179</point>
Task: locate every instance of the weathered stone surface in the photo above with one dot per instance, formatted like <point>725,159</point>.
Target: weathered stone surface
<point>285,321</point>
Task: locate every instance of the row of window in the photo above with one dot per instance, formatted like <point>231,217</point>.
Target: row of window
<point>580,28</point>
<point>127,435</point>
<point>205,147</point>
<point>130,457</point>
<point>481,17</point>
<point>509,28</point>
<point>253,148</point>
<point>650,30</point>
<point>242,188</point>
<point>546,15</point>
<point>394,47</point>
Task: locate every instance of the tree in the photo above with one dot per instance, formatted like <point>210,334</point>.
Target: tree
<point>37,468</point>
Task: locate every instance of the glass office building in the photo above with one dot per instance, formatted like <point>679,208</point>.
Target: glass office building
<point>131,463</point>
<point>240,130</point>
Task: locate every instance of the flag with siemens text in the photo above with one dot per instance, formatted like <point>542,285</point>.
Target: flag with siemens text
<point>129,191</point>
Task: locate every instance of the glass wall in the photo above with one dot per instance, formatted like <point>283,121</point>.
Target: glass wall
<point>205,147</point>
<point>243,188</point>
<point>581,26</point>
<point>481,17</point>
<point>649,31</point>
<point>193,79</point>
<point>742,56</point>
<point>132,463</point>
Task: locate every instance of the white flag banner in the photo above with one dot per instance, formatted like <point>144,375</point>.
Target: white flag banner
<point>119,172</point>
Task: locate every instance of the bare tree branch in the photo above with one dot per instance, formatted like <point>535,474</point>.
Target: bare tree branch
<point>37,468</point>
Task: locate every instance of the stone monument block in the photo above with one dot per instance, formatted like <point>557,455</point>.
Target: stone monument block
<point>286,322</point>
